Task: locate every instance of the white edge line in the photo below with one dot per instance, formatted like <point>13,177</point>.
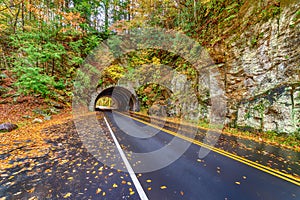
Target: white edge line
<point>135,180</point>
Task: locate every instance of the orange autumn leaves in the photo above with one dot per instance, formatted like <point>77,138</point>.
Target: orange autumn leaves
<point>27,142</point>
<point>72,19</point>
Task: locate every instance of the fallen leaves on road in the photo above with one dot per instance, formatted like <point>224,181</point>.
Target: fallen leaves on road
<point>98,190</point>
<point>67,195</point>
<point>27,143</point>
<point>66,165</point>
<point>131,192</point>
<point>163,187</point>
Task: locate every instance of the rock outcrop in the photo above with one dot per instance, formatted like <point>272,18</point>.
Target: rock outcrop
<point>7,127</point>
<point>261,71</point>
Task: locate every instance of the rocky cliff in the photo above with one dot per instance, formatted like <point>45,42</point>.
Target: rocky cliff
<point>260,67</point>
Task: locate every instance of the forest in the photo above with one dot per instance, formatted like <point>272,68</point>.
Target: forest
<point>149,99</point>
<point>43,43</point>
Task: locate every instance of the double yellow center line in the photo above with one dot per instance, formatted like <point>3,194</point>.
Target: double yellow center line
<point>261,167</point>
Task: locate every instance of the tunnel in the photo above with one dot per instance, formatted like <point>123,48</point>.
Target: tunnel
<point>123,99</point>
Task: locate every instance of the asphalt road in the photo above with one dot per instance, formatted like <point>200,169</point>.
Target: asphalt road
<point>214,176</point>
<point>132,160</point>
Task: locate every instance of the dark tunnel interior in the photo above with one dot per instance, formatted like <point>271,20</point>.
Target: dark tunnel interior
<point>124,99</point>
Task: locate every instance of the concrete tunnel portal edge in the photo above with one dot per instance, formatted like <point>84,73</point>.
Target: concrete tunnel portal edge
<point>124,99</point>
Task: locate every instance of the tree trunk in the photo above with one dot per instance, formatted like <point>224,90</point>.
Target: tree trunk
<point>5,61</point>
<point>53,66</point>
<point>16,19</point>
<point>29,11</point>
<point>195,11</point>
<point>23,20</point>
<point>106,4</point>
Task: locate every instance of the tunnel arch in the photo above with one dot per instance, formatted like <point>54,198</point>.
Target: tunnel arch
<point>124,99</point>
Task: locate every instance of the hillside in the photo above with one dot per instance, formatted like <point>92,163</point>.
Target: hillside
<point>253,45</point>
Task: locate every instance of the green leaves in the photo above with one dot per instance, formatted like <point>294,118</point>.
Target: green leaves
<point>31,81</point>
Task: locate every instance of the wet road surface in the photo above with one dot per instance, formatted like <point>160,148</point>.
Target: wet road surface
<point>213,177</point>
<point>72,170</point>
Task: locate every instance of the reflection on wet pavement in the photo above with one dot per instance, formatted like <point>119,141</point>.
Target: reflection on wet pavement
<point>67,171</point>
<point>71,170</point>
<point>281,159</point>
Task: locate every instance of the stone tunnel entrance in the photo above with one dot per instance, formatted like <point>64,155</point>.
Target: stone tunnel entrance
<point>123,99</point>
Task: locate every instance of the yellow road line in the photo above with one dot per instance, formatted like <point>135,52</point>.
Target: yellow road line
<point>261,167</point>
<point>216,149</point>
